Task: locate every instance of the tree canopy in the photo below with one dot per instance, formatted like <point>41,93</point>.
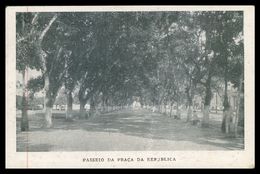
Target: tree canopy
<point>111,57</point>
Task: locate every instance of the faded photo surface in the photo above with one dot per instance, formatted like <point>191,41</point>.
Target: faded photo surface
<point>121,87</point>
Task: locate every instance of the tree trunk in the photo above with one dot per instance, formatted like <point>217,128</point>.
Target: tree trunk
<point>165,109</point>
<point>103,104</point>
<point>226,114</point>
<point>49,95</point>
<point>48,111</point>
<point>82,102</point>
<point>48,102</point>
<point>227,110</point>
<point>48,116</point>
<point>178,113</point>
<point>226,106</point>
<point>240,108</point>
<point>69,106</point>
<point>189,98</point>
<point>106,105</point>
<point>189,113</point>
<point>24,119</point>
<point>205,119</point>
<point>216,103</point>
<point>92,110</point>
<point>82,111</point>
<point>171,109</point>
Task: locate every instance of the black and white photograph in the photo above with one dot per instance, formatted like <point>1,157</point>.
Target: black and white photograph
<point>123,81</point>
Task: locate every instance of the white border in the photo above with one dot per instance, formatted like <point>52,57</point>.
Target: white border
<point>184,159</point>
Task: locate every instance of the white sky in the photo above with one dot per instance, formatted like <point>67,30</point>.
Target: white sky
<point>31,74</point>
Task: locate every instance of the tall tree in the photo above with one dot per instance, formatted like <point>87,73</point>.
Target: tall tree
<point>25,57</point>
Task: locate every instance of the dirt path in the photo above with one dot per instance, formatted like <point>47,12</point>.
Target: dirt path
<point>127,130</point>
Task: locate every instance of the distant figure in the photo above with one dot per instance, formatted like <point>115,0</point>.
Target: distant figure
<point>177,116</point>
<point>136,105</point>
<point>154,109</point>
<point>195,119</point>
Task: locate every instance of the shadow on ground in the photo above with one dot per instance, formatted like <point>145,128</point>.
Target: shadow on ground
<point>138,123</point>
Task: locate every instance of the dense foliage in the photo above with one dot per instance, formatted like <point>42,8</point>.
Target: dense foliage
<point>114,58</point>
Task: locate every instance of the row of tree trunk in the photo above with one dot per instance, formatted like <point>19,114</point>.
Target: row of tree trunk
<point>231,121</point>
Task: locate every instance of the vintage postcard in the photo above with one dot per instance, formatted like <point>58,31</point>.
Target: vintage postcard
<point>130,87</point>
